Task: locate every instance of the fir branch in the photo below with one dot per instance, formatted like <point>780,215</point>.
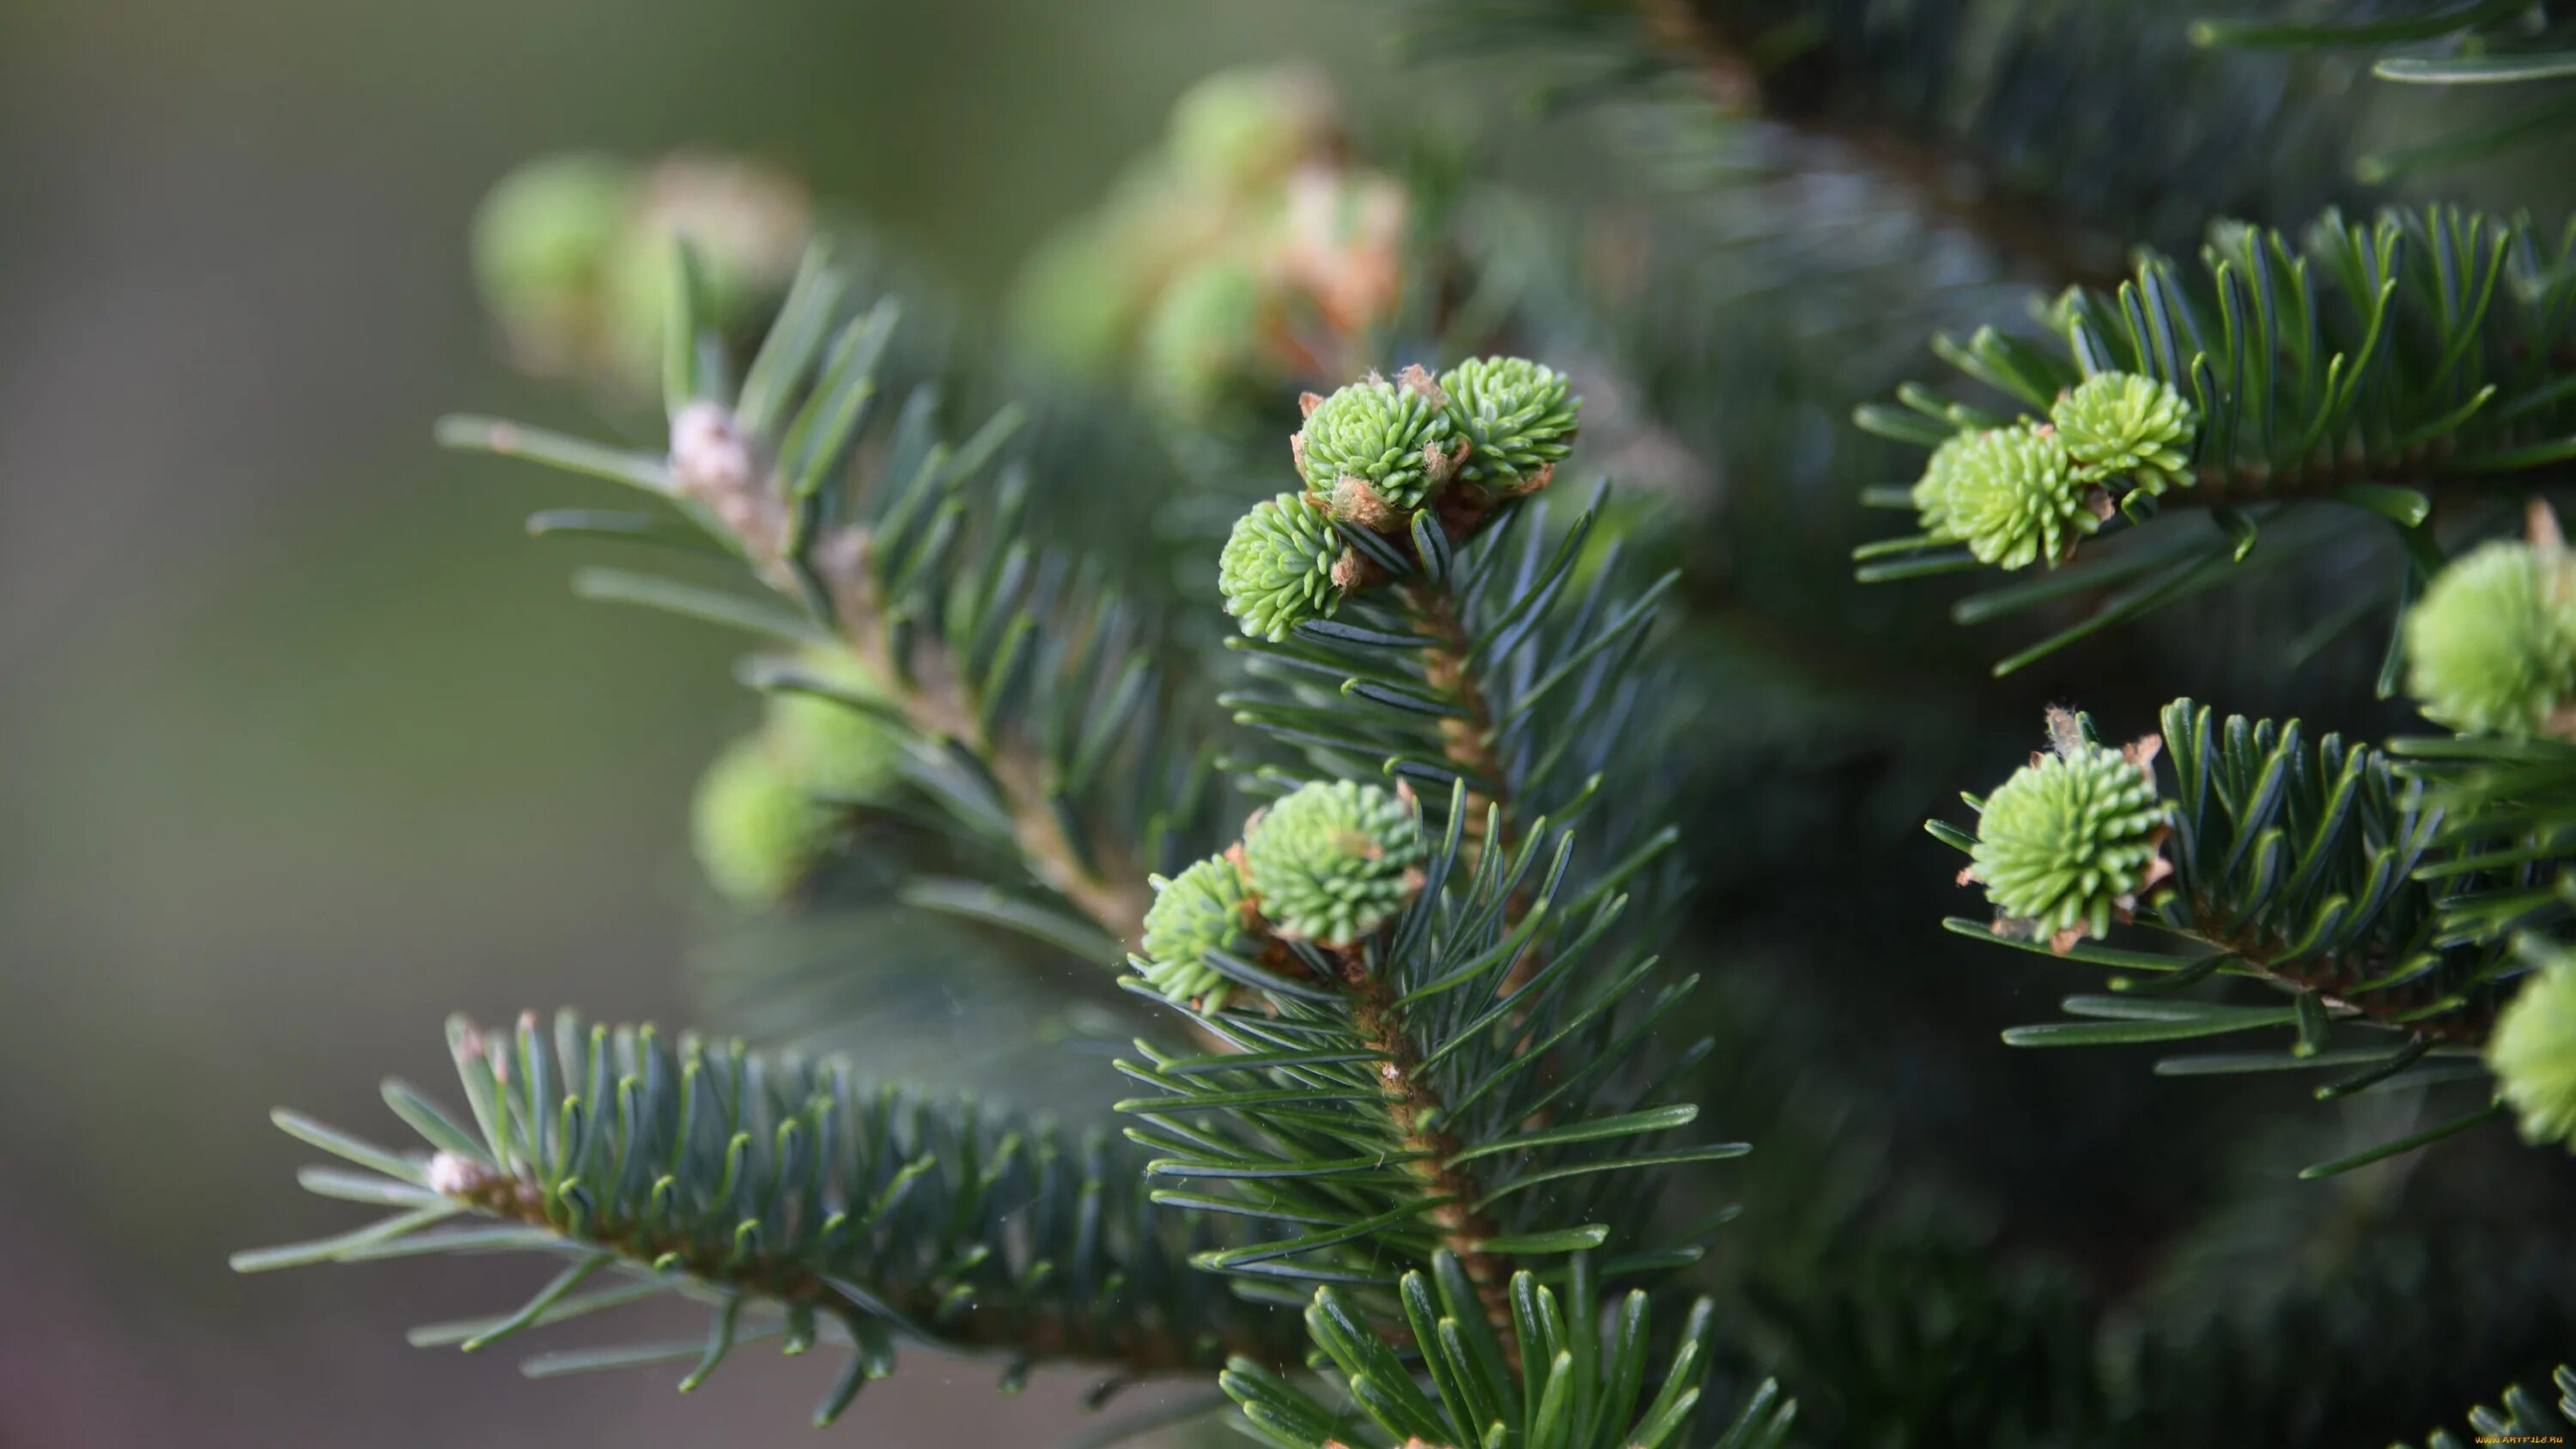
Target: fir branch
<point>2317,871</point>
<point>1448,667</point>
<point>2312,867</point>
<point>1463,649</point>
<point>789,1189</point>
<point>1043,718</point>
<point>1416,1110</point>
<point>1380,1090</point>
<point>1513,663</point>
<point>1099,877</point>
<point>1517,638</point>
<point>1450,672</point>
<point>2377,368</point>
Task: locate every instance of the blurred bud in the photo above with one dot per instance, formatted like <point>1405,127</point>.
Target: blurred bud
<point>2491,649</point>
<point>543,239</point>
<point>1076,299</point>
<point>1242,131</point>
<point>572,253</point>
<point>709,454</point>
<point>748,224</point>
<point>758,833</point>
<point>1181,278</point>
<point>836,748</point>
<point>1083,298</point>
<point>2533,1051</point>
<point>1342,244</point>
<point>1202,344</point>
<point>770,806</point>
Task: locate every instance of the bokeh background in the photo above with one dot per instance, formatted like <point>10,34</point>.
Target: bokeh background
<point>305,745</point>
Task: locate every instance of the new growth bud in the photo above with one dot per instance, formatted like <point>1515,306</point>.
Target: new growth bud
<point>2072,839</point>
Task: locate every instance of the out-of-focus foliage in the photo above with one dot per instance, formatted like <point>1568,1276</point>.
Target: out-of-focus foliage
<point>2483,43</point>
<point>572,250</point>
<point>1251,253</point>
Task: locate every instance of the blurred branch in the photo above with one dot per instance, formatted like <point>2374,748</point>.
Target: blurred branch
<point>2033,241</point>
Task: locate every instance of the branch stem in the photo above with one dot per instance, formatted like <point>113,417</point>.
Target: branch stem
<point>1418,1112</point>
<point>2320,475</point>
<point>1102,882</point>
<point>1469,742</point>
<point>1131,1348</point>
<point>2331,976</point>
<point>1097,878</point>
<point>1468,739</point>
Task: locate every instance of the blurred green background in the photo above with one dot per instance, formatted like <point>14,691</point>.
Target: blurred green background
<point>306,747</point>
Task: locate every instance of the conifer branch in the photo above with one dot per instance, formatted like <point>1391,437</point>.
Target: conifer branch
<point>1101,878</point>
<point>835,570</point>
<point>1414,1105</point>
<point>1040,715</point>
<point>1381,1086</point>
<point>1490,630</point>
<point>2319,872</point>
<point>789,1189</point>
<point>2378,368</point>
<point>1412,614</point>
<point>1448,668</point>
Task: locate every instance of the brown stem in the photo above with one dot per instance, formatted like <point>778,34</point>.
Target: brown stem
<point>1469,743</point>
<point>1468,740</point>
<point>1470,746</point>
<point>1417,1110</point>
<point>1376,1015</point>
